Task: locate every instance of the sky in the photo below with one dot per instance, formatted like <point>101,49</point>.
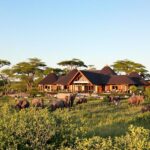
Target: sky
<point>99,32</point>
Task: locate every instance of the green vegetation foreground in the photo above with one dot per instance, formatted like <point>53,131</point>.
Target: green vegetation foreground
<point>95,125</point>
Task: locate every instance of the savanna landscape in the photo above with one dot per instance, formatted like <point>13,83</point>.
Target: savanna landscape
<point>96,124</point>
<point>74,74</point>
<point>31,119</point>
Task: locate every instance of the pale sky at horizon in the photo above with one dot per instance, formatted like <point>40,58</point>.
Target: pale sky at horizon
<point>98,32</point>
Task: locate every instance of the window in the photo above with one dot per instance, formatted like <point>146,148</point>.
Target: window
<point>115,87</point>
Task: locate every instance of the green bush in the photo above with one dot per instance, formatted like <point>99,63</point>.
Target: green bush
<point>68,128</point>
<point>26,129</point>
<point>133,89</point>
<point>35,92</point>
<point>94,143</point>
<point>137,138</point>
<point>147,94</point>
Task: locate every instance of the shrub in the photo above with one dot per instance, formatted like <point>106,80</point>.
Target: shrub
<point>35,92</point>
<point>94,143</point>
<point>26,129</point>
<point>133,89</point>
<point>137,138</point>
<point>68,129</point>
<point>147,93</point>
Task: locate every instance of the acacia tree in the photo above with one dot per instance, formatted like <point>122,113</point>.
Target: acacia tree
<point>48,70</point>
<point>28,71</point>
<point>8,75</point>
<point>72,64</point>
<point>91,67</point>
<point>4,81</point>
<point>128,66</point>
<point>57,71</point>
<point>4,63</point>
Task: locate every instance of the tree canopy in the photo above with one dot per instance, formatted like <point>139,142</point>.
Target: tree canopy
<point>29,70</point>
<point>128,66</point>
<point>91,67</point>
<point>57,71</point>
<point>72,64</point>
<point>4,63</point>
<point>3,79</point>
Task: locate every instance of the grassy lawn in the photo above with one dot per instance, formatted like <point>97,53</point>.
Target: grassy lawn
<point>104,119</point>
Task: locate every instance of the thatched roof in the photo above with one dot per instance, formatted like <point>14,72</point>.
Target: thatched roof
<point>104,77</point>
<point>64,80</point>
<point>120,79</point>
<point>134,74</point>
<point>107,71</point>
<point>137,78</point>
<point>49,79</point>
<point>95,78</point>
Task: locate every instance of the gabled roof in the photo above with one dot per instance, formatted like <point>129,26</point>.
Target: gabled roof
<point>137,78</point>
<point>107,71</point>
<point>139,81</point>
<point>60,78</point>
<point>95,78</point>
<point>106,77</point>
<point>134,74</point>
<point>120,79</point>
<point>65,80</point>
<point>49,79</point>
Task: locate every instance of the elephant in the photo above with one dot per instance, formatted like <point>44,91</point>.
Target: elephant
<point>22,104</point>
<point>37,102</point>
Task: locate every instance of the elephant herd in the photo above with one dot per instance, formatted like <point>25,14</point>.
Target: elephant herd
<point>65,102</point>
<point>24,103</point>
<point>68,101</point>
<point>134,100</point>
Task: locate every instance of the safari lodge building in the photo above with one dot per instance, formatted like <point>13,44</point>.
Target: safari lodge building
<point>86,81</point>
